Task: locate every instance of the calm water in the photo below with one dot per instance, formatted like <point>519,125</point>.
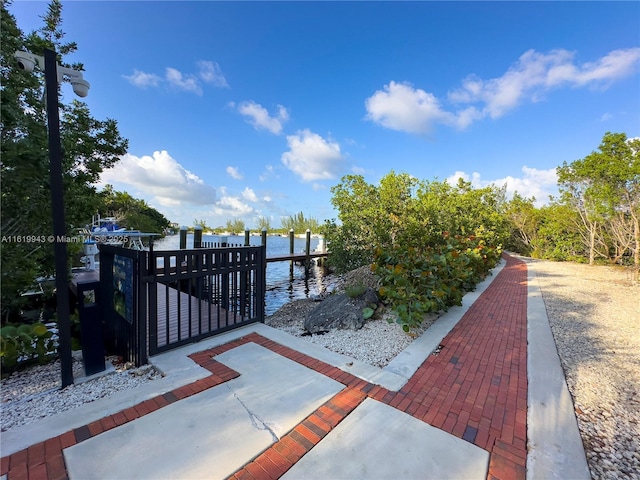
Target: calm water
<point>284,283</point>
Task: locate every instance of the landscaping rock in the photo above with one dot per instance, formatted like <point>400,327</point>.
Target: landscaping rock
<point>340,311</point>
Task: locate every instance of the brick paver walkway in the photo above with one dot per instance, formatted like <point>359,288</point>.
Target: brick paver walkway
<point>475,388</point>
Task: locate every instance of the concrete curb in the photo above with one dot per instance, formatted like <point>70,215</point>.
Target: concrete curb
<point>555,449</point>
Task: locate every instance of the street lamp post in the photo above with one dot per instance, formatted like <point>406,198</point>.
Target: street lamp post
<point>53,75</point>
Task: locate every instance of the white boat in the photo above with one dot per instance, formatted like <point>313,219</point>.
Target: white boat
<point>105,231</point>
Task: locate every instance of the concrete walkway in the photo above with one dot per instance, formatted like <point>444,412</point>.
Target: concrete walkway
<point>469,399</point>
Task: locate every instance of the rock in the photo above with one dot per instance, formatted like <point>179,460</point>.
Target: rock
<point>340,311</point>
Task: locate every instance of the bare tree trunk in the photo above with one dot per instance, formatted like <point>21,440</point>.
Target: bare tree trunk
<point>636,250</point>
<point>592,244</point>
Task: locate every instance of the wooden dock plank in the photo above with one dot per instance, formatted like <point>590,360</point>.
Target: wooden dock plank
<point>295,257</point>
<point>187,316</point>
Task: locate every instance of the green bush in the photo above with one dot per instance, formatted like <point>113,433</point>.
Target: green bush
<point>25,343</point>
<point>420,281</point>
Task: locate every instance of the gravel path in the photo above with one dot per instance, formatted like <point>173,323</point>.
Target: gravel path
<point>594,314</point>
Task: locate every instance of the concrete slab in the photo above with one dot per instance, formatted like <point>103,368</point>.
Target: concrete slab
<point>555,449</point>
<point>379,441</point>
<point>213,433</point>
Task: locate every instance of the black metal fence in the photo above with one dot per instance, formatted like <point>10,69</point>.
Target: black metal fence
<point>158,300</point>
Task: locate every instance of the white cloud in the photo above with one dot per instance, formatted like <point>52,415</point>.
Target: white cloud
<point>453,179</point>
<point>259,117</point>
<point>533,183</point>
<point>249,195</point>
<point>269,171</point>
<point>143,79</point>
<point>606,117</point>
<point>232,207</point>
<point>536,73</point>
<point>400,106</point>
<point>188,83</point>
<point>210,72</point>
<point>161,179</point>
<point>234,173</point>
<point>312,157</point>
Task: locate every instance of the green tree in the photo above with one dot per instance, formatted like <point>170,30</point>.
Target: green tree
<point>131,212</point>
<point>299,224</point>
<point>368,215</point>
<point>404,211</point>
<point>525,220</point>
<point>264,224</point>
<point>235,226</point>
<point>89,146</point>
<point>202,224</point>
<point>604,189</point>
<point>559,234</point>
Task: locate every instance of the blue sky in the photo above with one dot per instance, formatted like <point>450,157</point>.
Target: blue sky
<point>240,110</point>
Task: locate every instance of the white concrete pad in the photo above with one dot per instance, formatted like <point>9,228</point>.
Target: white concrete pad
<point>381,442</point>
<point>213,433</point>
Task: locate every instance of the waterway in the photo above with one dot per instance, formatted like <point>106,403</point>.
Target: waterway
<point>285,282</point>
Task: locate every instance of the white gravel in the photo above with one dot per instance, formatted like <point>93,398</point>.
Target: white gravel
<point>594,313</point>
<point>35,393</point>
<point>376,343</point>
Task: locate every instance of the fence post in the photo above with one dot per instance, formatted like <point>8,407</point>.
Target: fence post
<point>245,277</point>
<point>224,255</point>
<point>291,236</point>
<point>197,236</point>
<point>263,281</point>
<point>307,250</point>
<point>291,243</point>
<point>183,237</point>
<point>141,314</point>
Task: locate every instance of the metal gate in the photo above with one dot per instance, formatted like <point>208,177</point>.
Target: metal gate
<point>160,300</point>
<point>197,293</point>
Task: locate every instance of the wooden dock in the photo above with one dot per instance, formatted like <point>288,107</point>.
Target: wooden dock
<point>181,316</point>
<point>296,257</point>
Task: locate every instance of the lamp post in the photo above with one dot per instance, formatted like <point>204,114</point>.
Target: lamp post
<point>54,75</point>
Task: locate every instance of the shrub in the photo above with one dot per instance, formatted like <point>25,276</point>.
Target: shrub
<point>25,343</point>
<point>419,281</point>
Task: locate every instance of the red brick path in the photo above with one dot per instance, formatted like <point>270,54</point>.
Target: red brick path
<point>475,389</point>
